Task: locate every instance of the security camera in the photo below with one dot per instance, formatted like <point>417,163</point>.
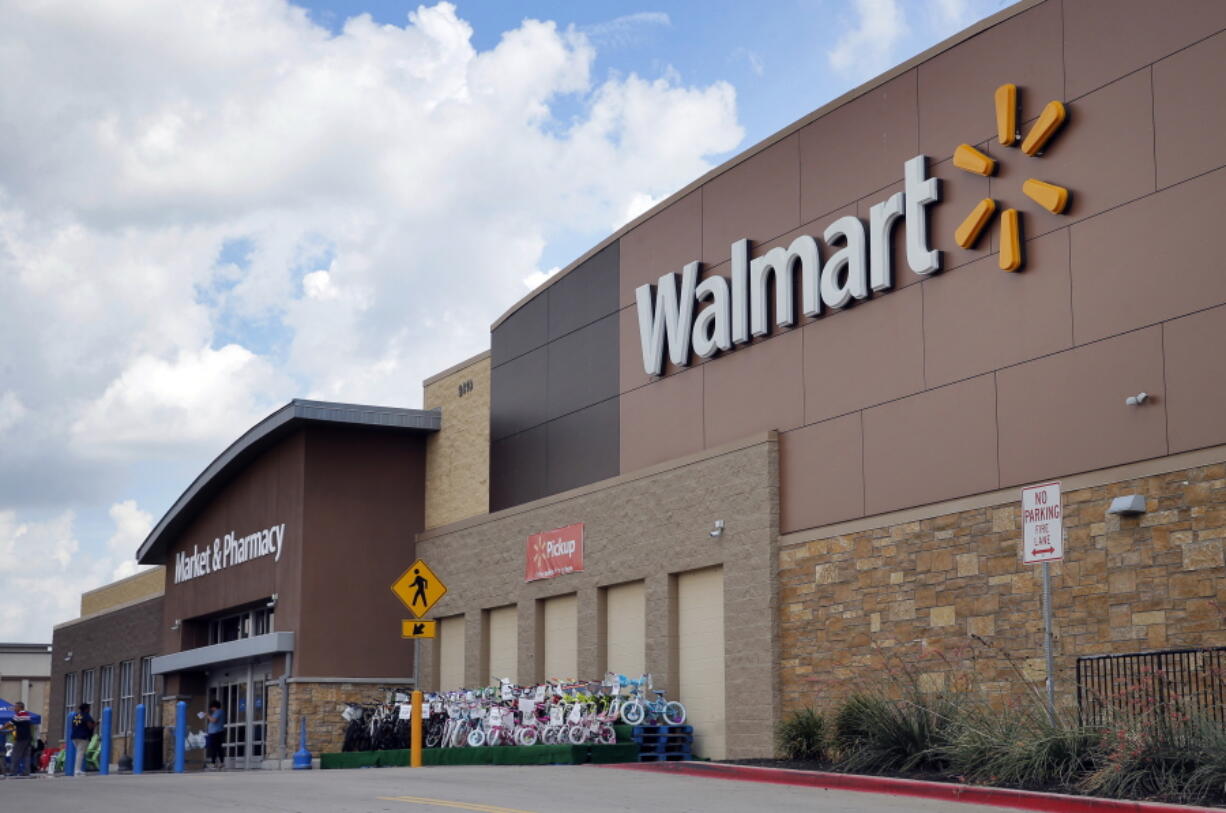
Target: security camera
<point>272,602</point>
<point>1136,400</point>
<point>718,531</point>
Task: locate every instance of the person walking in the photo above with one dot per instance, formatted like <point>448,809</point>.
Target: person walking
<point>82,731</point>
<point>215,732</point>
<point>23,727</point>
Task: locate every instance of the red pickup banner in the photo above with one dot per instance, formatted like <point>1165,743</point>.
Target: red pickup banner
<point>554,553</point>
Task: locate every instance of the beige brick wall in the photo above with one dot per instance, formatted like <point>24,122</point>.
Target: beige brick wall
<point>146,584</point>
<point>922,588</point>
<point>647,525</point>
<point>458,456</point>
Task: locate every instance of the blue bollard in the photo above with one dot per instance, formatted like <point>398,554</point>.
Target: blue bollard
<point>104,757</point>
<point>180,734</point>
<point>138,740</point>
<point>302,757</point>
<point>70,750</point>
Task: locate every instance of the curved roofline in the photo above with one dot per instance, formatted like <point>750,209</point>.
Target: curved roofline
<point>854,93</point>
<point>262,434</point>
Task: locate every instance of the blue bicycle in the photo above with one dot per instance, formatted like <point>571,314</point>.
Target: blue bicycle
<point>635,709</point>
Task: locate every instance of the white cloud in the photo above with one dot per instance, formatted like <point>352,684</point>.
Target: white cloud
<point>867,46</point>
<point>43,569</point>
<point>537,278</point>
<point>629,29</point>
<point>11,411</point>
<point>389,186</point>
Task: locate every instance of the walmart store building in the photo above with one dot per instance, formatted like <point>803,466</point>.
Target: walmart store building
<point>789,412</point>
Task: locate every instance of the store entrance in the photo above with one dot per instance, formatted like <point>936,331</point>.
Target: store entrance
<point>242,692</point>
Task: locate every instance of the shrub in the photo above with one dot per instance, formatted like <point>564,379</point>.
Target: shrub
<point>1019,747</point>
<point>802,736</point>
<point>877,734</point>
<point>1155,759</point>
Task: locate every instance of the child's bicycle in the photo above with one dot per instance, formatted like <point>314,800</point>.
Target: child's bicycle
<point>635,709</point>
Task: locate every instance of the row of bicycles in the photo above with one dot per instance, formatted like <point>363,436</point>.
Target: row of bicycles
<point>552,713</point>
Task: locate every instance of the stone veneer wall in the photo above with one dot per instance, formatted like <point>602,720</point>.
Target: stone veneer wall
<point>649,525</point>
<point>920,589</point>
<point>321,704</point>
<point>458,455</point>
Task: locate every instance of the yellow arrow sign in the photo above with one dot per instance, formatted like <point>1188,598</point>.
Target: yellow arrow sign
<point>419,588</point>
<point>417,629</point>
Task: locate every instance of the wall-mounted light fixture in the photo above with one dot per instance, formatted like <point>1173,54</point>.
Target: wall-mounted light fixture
<point>1137,400</point>
<point>1128,506</point>
<point>718,530</point>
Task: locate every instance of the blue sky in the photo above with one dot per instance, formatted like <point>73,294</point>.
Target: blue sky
<point>208,209</point>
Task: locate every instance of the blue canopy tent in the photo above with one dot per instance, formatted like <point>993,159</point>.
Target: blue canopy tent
<point>6,713</point>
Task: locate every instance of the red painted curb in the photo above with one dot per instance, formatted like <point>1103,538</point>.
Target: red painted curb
<point>973,794</point>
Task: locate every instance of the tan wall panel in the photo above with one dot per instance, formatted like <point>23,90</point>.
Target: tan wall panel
<point>1104,39</point>
<point>458,455</point>
<point>451,653</point>
<point>1066,413</point>
<point>700,658</point>
<point>1195,379</point>
<point>503,643</point>
<point>757,388</point>
<point>835,169</point>
<point>758,199</point>
<point>867,355</point>
<point>932,446</point>
<point>626,628</point>
<point>821,474</point>
<point>1104,154</point>
<point>561,619</point>
<point>143,585</point>
<point>665,243</point>
<point>663,421</point>
<point>956,87</point>
<point>1190,108</point>
<point>977,319</point>
<point>1151,260</point>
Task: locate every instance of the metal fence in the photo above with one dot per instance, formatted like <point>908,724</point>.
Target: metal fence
<point>1172,682</point>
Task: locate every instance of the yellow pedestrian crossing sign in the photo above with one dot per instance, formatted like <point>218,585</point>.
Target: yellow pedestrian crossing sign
<point>419,588</point>
<point>417,629</point>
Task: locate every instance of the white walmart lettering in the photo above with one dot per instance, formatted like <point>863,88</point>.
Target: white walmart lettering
<point>738,307</point>
<point>228,550</point>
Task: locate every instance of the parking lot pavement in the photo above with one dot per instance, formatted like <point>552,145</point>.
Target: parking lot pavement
<point>488,789</point>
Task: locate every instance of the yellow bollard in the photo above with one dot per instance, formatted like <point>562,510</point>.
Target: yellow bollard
<point>415,728</point>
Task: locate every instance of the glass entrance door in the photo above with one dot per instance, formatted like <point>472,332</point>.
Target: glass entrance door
<point>242,692</point>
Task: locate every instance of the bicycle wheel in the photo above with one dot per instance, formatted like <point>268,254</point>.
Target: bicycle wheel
<point>476,738</point>
<point>576,735</point>
<point>459,737</point>
<point>674,713</point>
<point>606,735</point>
<point>527,736</point>
<point>633,712</point>
<point>550,736</point>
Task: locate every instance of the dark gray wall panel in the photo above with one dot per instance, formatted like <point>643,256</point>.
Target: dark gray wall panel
<point>583,367</point>
<point>524,330</point>
<point>584,447</point>
<point>586,294</point>
<point>519,394</point>
<point>517,468</point>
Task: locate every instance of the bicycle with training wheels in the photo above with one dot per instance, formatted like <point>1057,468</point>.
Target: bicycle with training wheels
<point>635,709</point>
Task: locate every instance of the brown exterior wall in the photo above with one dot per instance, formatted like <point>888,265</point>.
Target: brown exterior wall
<point>648,525</point>
<point>147,583</point>
<point>458,455</point>
<point>918,590</point>
<point>363,506</point>
<point>126,633</point>
<point>269,491</point>
<point>972,379</point>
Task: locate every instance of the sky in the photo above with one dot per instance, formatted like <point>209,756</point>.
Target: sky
<point>210,208</point>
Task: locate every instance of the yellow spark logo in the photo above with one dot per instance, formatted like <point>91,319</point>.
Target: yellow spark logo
<point>1051,197</point>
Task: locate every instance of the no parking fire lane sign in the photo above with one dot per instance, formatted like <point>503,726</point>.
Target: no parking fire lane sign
<point>1042,524</point>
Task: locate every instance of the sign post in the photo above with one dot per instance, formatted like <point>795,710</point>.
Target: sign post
<point>1043,543</point>
<point>419,590</point>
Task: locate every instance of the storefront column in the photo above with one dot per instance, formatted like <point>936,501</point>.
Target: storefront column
<point>660,643</point>
<point>590,647</point>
